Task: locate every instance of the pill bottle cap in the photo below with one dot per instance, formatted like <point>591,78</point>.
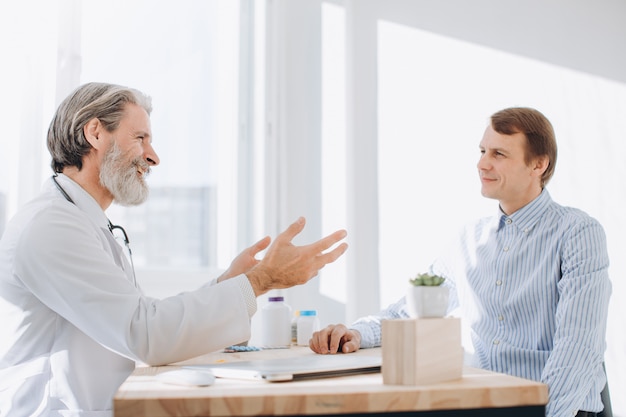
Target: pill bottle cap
<point>308,312</point>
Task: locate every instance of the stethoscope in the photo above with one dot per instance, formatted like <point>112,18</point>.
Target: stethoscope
<point>111,227</point>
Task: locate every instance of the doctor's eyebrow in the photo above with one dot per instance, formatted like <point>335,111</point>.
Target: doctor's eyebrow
<point>142,134</point>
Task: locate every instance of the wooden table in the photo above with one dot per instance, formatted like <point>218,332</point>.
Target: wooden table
<point>478,393</point>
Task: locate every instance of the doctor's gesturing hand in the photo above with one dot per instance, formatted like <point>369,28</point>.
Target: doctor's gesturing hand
<point>246,260</point>
<point>285,265</point>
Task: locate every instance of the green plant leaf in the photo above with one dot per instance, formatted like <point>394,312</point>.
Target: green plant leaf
<point>427,280</point>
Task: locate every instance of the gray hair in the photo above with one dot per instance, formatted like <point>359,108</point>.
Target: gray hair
<point>106,102</point>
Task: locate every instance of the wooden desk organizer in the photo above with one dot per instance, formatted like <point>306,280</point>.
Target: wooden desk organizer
<point>421,351</point>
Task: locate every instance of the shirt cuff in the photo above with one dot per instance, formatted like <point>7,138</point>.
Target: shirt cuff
<point>248,293</point>
<point>368,335</point>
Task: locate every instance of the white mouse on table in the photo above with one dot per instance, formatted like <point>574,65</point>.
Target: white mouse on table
<point>188,377</point>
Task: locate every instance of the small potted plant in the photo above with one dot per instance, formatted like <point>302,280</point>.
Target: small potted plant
<point>426,297</point>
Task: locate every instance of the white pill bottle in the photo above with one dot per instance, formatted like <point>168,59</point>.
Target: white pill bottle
<point>308,322</point>
<point>276,323</point>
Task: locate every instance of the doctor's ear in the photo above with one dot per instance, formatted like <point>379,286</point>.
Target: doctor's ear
<point>92,131</point>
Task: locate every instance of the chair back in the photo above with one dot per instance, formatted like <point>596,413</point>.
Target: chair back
<point>606,399</point>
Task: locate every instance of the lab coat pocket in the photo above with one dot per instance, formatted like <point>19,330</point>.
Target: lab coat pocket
<point>14,375</point>
<point>24,388</point>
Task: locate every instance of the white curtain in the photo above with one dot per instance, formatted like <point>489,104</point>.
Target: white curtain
<point>27,85</point>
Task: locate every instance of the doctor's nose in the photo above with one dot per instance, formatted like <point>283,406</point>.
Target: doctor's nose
<point>150,155</point>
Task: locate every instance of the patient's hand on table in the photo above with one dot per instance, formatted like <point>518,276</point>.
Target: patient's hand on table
<point>335,338</point>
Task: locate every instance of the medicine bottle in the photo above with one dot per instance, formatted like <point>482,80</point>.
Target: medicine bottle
<point>276,323</point>
<point>307,324</point>
<point>294,327</point>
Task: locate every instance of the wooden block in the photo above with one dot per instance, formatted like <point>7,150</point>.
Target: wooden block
<point>421,351</point>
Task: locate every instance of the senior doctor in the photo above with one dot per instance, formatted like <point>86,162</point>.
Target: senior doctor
<point>73,321</point>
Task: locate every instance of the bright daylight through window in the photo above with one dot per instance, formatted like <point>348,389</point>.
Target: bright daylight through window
<point>194,120</point>
<point>192,74</point>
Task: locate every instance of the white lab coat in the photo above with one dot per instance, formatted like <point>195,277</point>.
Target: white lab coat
<point>73,323</point>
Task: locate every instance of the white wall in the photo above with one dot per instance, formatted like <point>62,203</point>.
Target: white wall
<point>582,35</point>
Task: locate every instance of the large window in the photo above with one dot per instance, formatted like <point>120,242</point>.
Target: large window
<point>334,211</point>
<point>199,61</point>
<point>192,75</point>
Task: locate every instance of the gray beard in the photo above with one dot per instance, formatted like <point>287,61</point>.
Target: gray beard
<point>120,177</point>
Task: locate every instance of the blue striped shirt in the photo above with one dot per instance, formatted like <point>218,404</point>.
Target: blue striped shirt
<point>532,289</point>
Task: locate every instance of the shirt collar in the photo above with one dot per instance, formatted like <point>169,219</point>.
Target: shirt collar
<point>526,217</point>
<point>82,199</point>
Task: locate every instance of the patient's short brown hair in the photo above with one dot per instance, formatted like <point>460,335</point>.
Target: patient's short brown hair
<point>536,128</point>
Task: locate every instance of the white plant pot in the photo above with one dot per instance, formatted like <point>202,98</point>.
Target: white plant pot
<point>424,301</point>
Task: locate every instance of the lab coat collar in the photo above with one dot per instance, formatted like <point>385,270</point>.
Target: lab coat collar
<point>82,199</point>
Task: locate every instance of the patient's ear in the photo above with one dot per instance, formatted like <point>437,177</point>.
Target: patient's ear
<point>540,164</point>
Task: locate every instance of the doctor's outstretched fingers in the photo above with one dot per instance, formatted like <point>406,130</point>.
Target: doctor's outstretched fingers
<point>286,265</point>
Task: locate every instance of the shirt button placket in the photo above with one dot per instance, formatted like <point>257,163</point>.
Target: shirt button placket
<point>499,282</point>
<point>508,222</point>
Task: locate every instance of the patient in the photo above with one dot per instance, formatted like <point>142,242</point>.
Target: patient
<point>531,281</point>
